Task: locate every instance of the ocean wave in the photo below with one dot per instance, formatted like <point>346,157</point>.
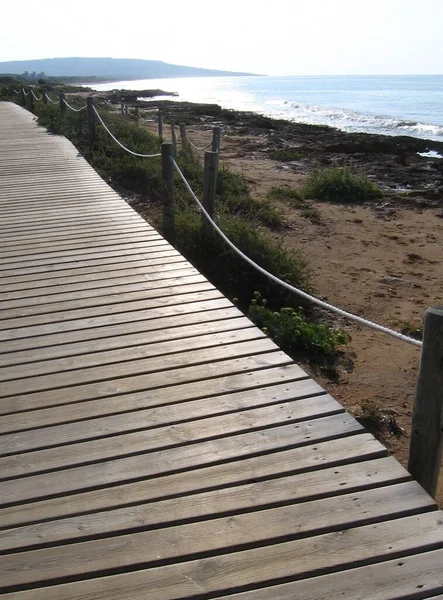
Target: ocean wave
<point>349,120</point>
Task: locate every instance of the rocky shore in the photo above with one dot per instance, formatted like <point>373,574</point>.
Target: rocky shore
<point>394,162</point>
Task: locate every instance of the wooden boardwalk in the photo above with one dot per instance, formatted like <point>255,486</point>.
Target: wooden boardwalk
<point>155,444</point>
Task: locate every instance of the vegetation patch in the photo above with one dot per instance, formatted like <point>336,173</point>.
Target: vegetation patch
<point>287,154</point>
<point>295,199</point>
<point>339,184</point>
<point>290,329</point>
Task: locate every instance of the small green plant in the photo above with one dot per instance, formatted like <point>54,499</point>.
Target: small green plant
<point>414,330</point>
<point>290,329</point>
<point>234,197</point>
<point>294,198</point>
<point>285,194</point>
<point>339,184</point>
<point>287,154</point>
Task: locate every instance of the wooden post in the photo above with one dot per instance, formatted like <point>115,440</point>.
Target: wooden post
<point>216,134</point>
<point>173,137</point>
<point>23,96</point>
<point>427,418</point>
<point>209,189</point>
<point>122,108</point>
<point>160,125</point>
<point>137,114</point>
<point>91,122</point>
<point>44,97</point>
<point>184,139</point>
<point>31,99</point>
<point>62,97</point>
<point>168,193</point>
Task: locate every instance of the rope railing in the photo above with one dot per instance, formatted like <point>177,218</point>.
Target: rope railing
<point>16,91</point>
<point>36,97</point>
<point>197,147</point>
<point>119,143</point>
<point>288,286</point>
<point>72,108</point>
<point>25,92</point>
<point>50,100</point>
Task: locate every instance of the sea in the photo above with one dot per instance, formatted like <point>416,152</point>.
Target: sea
<point>391,104</point>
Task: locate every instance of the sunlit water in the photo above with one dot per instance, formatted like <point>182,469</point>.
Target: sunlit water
<point>393,105</point>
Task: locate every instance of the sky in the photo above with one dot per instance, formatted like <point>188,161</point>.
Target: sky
<point>273,37</point>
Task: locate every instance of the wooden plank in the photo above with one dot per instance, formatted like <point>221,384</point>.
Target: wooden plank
<point>40,313</point>
<point>150,417</point>
<point>182,327</point>
<point>163,260</point>
<point>114,261</point>
<point>358,450</point>
<point>240,376</point>
<point>116,313</point>
<point>23,348</point>
<point>72,232</point>
<point>309,562</point>
<point>77,287</point>
<point>95,241</point>
<point>191,456</point>
<point>70,255</point>
<point>41,285</point>
<point>153,437</point>
<point>146,348</point>
<point>236,531</point>
<point>148,380</point>
<point>267,493</point>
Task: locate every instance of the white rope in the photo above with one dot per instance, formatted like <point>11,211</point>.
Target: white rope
<point>120,144</point>
<point>16,91</point>
<point>35,96</point>
<point>25,92</point>
<point>291,288</point>
<point>72,108</point>
<point>53,101</point>
<point>197,148</point>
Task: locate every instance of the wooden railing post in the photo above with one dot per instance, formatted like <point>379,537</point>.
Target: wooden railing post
<point>216,133</point>
<point>23,96</point>
<point>44,96</point>
<point>122,108</point>
<point>168,193</point>
<point>173,137</point>
<point>160,125</point>
<point>62,97</point>
<point>184,139</point>
<point>91,122</point>
<point>209,189</point>
<point>427,418</point>
<point>31,100</point>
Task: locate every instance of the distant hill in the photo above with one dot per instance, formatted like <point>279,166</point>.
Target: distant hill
<point>108,68</point>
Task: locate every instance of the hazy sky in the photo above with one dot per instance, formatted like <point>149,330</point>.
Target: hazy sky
<point>275,37</point>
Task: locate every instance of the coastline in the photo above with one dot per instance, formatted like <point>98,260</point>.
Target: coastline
<point>393,162</point>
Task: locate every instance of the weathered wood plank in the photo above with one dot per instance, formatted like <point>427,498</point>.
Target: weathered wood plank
<point>258,495</point>
<point>358,450</point>
<point>236,531</point>
<point>121,336</point>
<point>191,456</point>
<point>22,349</point>
<point>152,438</point>
<point>239,376</point>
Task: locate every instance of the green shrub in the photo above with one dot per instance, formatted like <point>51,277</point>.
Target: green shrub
<point>289,328</point>
<point>285,194</point>
<point>230,273</point>
<point>339,184</point>
<point>286,154</point>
